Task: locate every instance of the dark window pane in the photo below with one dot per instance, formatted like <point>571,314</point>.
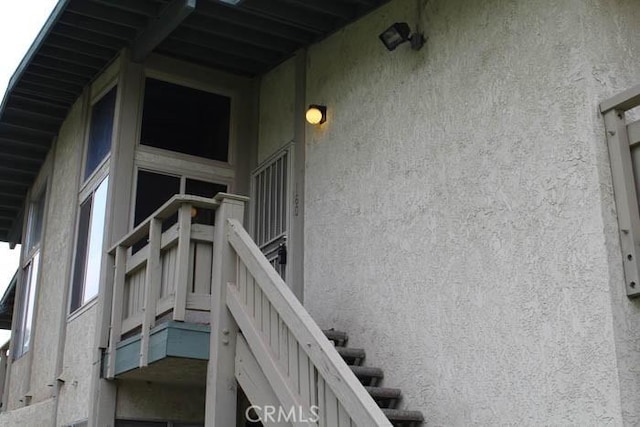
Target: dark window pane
<point>36,218</point>
<point>185,120</point>
<point>204,189</point>
<point>152,191</point>
<point>100,131</point>
<point>81,254</point>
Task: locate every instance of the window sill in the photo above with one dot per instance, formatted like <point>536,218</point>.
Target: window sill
<point>82,309</point>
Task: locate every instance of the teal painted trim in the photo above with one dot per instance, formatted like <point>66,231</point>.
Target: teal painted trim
<point>188,343</point>
<point>169,339</point>
<point>128,356</point>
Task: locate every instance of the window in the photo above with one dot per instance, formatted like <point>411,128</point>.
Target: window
<point>185,120</point>
<point>29,279</point>
<point>89,246</point>
<point>100,132</point>
<point>154,189</point>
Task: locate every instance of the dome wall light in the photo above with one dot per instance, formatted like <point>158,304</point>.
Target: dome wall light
<point>316,114</point>
<point>399,33</point>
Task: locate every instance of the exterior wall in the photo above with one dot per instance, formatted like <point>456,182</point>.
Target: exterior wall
<point>35,372</point>
<point>36,415</point>
<point>277,106</point>
<point>73,404</point>
<point>152,401</point>
<point>459,211</point>
<point>614,60</point>
<point>58,242</point>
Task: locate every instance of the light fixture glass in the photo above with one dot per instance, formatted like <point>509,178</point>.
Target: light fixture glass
<point>316,114</point>
<point>399,33</point>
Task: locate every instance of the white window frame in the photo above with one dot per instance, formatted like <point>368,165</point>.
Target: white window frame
<point>30,277</point>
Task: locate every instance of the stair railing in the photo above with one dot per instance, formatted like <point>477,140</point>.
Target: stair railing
<point>168,276</point>
<point>303,367</point>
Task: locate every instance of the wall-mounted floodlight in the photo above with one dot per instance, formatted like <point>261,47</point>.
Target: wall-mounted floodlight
<point>399,33</point>
<point>316,114</point>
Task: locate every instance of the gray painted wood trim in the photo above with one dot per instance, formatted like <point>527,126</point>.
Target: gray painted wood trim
<point>625,197</point>
<point>160,27</point>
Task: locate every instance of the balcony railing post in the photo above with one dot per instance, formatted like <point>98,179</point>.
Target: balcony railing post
<point>221,383</point>
<point>152,287</point>
<point>182,262</point>
<point>116,307</point>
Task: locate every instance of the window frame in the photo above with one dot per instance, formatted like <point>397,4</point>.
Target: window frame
<point>30,261</point>
<point>223,168</point>
<point>183,176</point>
<point>88,188</point>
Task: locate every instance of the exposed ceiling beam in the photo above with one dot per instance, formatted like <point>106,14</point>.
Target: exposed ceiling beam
<point>72,57</point>
<point>146,8</point>
<point>67,67</point>
<point>235,16</point>
<point>36,107</point>
<point>83,47</point>
<point>230,47</point>
<point>97,26</point>
<point>338,10</point>
<point>107,14</point>
<point>228,31</point>
<point>249,66</point>
<point>160,27</point>
<point>286,14</point>
<point>53,83</point>
<point>96,39</point>
<point>61,76</point>
<point>19,136</point>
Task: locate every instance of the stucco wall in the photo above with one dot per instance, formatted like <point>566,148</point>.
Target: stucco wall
<point>58,244</point>
<point>36,415</point>
<point>613,60</point>
<point>77,368</point>
<point>277,101</point>
<point>139,400</point>
<point>455,200</point>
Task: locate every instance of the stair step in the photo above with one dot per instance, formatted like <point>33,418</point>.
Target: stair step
<point>339,338</point>
<point>367,375</point>
<point>403,417</point>
<point>354,355</point>
<point>384,393</point>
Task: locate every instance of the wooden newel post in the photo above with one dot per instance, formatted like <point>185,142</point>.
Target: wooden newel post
<point>221,393</point>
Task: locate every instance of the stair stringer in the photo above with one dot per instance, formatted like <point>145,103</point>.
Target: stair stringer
<point>254,383</point>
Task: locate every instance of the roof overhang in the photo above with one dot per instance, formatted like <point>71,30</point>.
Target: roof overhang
<point>7,302</point>
<point>81,37</point>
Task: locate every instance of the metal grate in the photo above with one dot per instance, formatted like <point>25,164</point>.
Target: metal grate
<point>270,208</point>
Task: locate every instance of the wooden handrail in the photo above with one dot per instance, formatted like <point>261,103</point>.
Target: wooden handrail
<point>165,211</point>
<point>330,366</point>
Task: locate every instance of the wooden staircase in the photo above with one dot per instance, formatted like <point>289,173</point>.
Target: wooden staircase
<point>386,398</point>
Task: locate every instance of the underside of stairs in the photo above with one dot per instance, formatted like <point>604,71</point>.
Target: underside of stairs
<point>387,398</point>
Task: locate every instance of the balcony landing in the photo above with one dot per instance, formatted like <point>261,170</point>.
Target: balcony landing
<point>178,354</point>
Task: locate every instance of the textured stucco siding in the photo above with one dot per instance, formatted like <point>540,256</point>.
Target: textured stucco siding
<point>277,100</point>
<point>454,218</point>
<point>77,368</point>
<point>18,386</point>
<point>139,400</point>
<point>58,245</point>
<point>35,372</point>
<point>613,54</point>
<point>36,415</point>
